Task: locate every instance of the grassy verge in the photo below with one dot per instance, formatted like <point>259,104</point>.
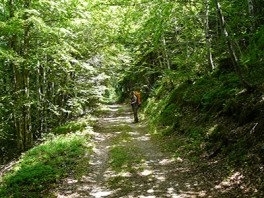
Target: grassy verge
<point>43,166</point>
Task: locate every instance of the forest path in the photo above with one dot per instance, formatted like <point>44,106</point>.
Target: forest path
<point>127,162</point>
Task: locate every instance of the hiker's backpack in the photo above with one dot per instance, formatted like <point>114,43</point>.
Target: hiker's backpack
<point>138,95</point>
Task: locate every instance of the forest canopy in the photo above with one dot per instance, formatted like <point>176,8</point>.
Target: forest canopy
<point>58,59</point>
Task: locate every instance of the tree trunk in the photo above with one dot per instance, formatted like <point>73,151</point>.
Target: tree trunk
<point>208,37</point>
<point>16,83</point>
<point>27,132</point>
<point>21,100</point>
<point>230,45</point>
<point>39,108</point>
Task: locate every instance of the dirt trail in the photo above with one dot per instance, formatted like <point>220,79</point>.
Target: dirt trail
<point>126,162</point>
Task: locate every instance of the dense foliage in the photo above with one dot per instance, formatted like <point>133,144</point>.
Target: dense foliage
<point>200,65</point>
<point>196,63</point>
<point>55,60</point>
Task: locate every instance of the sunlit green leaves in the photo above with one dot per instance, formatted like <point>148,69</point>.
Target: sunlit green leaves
<point>43,47</point>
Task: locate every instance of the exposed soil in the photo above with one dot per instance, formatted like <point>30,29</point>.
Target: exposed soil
<point>127,162</point>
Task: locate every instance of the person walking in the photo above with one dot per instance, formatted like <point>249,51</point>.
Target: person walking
<point>135,105</point>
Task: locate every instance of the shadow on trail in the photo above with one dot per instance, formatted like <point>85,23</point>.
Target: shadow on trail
<point>126,162</point>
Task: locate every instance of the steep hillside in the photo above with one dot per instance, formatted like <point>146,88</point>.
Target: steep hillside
<point>222,121</point>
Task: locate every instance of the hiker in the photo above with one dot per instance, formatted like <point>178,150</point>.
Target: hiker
<point>135,103</point>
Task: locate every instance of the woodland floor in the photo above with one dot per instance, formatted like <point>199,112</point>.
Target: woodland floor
<point>128,162</point>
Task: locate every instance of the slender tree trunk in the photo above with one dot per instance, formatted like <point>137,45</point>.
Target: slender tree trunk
<point>27,132</point>
<point>226,35</point>
<point>44,99</point>
<point>16,83</point>
<point>230,45</point>
<point>208,37</point>
<point>16,108</point>
<point>39,115</point>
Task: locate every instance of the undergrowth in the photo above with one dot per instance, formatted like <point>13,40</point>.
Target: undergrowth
<point>193,108</point>
<point>40,168</point>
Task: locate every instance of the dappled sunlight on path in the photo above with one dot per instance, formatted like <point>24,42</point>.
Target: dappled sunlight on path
<point>126,162</point>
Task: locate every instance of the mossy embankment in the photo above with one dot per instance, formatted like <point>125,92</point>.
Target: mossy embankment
<point>218,120</point>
